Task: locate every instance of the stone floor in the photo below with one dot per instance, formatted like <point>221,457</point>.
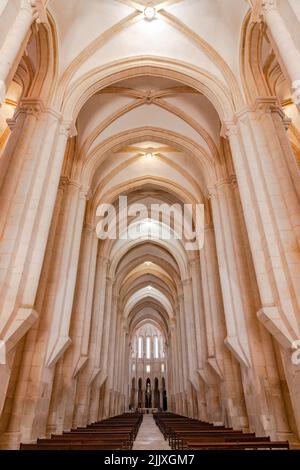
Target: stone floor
<point>149,436</point>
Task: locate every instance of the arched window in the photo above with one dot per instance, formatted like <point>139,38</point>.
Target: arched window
<point>148,368</point>
<point>148,347</point>
<point>162,368</point>
<point>156,347</point>
<point>140,347</point>
<point>162,347</point>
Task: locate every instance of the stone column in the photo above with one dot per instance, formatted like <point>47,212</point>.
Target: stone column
<point>91,374</point>
<point>122,374</point>
<point>11,50</point>
<point>289,55</point>
<point>220,359</point>
<point>27,211</point>
<point>117,362</point>
<point>204,355</point>
<point>69,247</point>
<point>182,369</point>
<point>76,357</point>
<point>240,304</point>
<point>186,366</point>
<point>27,201</point>
<point>231,269</point>
<point>270,200</point>
<point>108,344</point>
<point>193,343</point>
<point>112,353</point>
<point>175,363</point>
<point>33,387</point>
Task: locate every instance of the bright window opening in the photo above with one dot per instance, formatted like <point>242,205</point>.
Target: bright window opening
<point>140,347</point>
<point>155,347</point>
<point>148,347</point>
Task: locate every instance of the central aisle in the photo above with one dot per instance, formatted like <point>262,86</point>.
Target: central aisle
<point>149,436</point>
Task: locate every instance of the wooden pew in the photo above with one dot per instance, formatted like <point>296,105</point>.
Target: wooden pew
<point>186,433</point>
<point>117,433</point>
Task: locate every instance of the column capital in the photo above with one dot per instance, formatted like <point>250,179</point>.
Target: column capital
<point>31,106</point>
<point>230,128</point>
<point>36,107</point>
<point>89,227</point>
<point>11,123</point>
<point>266,104</point>
<point>186,282</point>
<point>68,129</point>
<point>85,192</point>
<point>269,105</point>
<point>208,227</point>
<point>36,8</point>
<point>261,106</point>
<point>63,182</point>
<point>195,260</point>
<point>213,190</point>
<point>74,184</point>
<point>103,259</point>
<point>296,91</point>
<point>28,5</point>
<point>268,5</point>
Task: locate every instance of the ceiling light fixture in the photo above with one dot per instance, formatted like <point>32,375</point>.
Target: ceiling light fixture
<point>149,13</point>
<point>149,156</point>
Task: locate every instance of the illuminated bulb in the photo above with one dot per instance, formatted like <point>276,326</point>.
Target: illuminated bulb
<point>149,13</point>
<point>149,156</point>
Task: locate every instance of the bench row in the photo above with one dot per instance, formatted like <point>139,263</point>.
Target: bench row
<point>185,433</point>
<point>117,433</point>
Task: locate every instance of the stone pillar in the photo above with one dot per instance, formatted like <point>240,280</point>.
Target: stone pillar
<point>289,55</point>
<point>27,201</point>
<point>220,359</point>
<point>90,376</point>
<point>12,48</point>
<point>202,339</point>
<point>112,352</point>
<point>108,345</point>
<point>230,262</point>
<point>192,343</point>
<point>116,361</point>
<point>69,248</point>
<point>175,363</point>
<point>270,200</point>
<point>31,381</point>
<point>181,342</point>
<point>76,357</point>
<point>122,378</point>
<point>239,297</point>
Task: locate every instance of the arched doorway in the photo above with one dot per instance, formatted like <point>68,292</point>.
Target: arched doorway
<point>165,397</point>
<point>148,394</point>
<point>156,394</point>
<point>132,395</point>
<point>140,393</point>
